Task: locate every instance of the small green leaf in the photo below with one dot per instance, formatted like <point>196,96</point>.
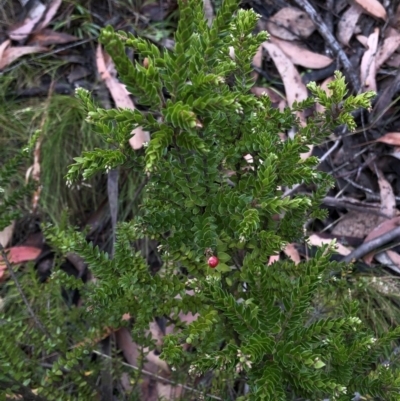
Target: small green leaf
<point>319,364</point>
<point>222,268</point>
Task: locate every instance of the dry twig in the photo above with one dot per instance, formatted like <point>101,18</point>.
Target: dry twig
<point>370,246</point>
<point>332,42</point>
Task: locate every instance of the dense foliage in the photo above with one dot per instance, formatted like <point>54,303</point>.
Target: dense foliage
<point>257,323</point>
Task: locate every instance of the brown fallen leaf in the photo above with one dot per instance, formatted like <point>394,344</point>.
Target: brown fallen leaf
<point>391,138</point>
<point>23,29</point>
<point>47,37</point>
<point>373,8</point>
<point>6,234</point>
<point>347,23</point>
<point>291,251</point>
<point>16,255</point>
<point>299,55</point>
<point>294,88</point>
<point>13,53</point>
<point>290,23</point>
<point>117,90</point>
<point>50,13</point>
<point>378,231</point>
<point>389,46</point>
<point>119,93</point>
<point>368,65</point>
<point>390,259</point>
<point>3,47</point>
<point>316,240</point>
<point>388,199</point>
<point>363,40</point>
<point>393,60</point>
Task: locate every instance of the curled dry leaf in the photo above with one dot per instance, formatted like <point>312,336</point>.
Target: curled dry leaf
<point>23,29</point>
<point>347,23</point>
<point>117,90</point>
<point>391,138</point>
<point>6,234</point>
<point>390,259</point>
<point>18,254</point>
<point>363,40</point>
<point>389,46</point>
<point>299,55</point>
<point>291,251</point>
<point>50,13</point>
<point>368,64</point>
<point>290,23</point>
<point>294,88</point>
<point>388,199</point>
<point>3,47</point>
<point>119,93</point>
<point>13,53</point>
<point>373,8</point>
<point>47,37</point>
<point>383,228</point>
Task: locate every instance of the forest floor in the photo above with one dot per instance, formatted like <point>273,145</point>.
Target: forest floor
<point>48,49</point>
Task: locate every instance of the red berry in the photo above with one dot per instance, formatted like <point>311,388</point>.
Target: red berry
<point>213,261</point>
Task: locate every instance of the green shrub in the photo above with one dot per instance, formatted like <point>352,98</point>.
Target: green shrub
<point>257,323</point>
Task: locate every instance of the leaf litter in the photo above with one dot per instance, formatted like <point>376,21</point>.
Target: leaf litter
<point>370,42</point>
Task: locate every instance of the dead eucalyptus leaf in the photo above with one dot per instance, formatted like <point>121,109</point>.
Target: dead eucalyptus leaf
<point>3,47</point>
<point>316,240</point>
<point>299,55</point>
<point>290,23</point>
<point>389,46</point>
<point>373,8</point>
<point>50,13</point>
<point>391,138</point>
<point>120,94</point>
<point>23,29</point>
<point>13,53</point>
<point>291,251</point>
<point>363,40</point>
<point>47,37</point>
<point>382,228</point>
<point>294,88</point>
<point>6,234</point>
<point>368,65</point>
<point>388,199</point>
<point>347,23</point>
